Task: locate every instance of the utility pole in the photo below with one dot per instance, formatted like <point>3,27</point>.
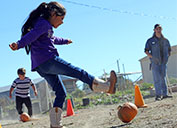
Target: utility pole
<point>119,76</point>
<point>105,74</point>
<point>124,79</point>
<point>118,66</point>
<point>123,69</point>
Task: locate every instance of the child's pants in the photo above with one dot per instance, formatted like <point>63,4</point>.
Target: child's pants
<point>51,70</point>
<point>26,101</point>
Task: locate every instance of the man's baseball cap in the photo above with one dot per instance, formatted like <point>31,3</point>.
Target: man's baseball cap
<point>157,25</point>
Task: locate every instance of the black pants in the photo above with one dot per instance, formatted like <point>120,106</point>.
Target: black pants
<point>26,101</point>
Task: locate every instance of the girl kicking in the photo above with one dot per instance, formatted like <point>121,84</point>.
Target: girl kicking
<point>38,40</point>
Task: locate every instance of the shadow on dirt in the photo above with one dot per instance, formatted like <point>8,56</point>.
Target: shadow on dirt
<point>119,126</point>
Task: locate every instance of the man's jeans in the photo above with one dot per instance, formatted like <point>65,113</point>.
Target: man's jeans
<point>51,70</point>
<point>159,76</point>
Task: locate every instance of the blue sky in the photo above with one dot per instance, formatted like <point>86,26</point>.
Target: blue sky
<point>103,31</point>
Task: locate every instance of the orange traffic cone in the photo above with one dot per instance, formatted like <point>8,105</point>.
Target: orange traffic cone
<point>139,102</point>
<point>70,110</point>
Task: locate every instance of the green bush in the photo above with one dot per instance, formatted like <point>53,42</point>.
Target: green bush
<point>173,80</point>
<point>146,86</point>
<point>104,99</point>
<point>78,93</point>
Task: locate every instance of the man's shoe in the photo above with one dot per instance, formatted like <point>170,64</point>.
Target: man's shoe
<point>57,127</point>
<point>158,98</point>
<point>167,96</point>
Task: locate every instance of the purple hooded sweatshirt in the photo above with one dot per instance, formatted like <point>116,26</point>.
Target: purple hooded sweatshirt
<point>42,42</point>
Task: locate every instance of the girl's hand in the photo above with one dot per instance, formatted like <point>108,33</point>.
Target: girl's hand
<point>13,46</point>
<point>69,41</point>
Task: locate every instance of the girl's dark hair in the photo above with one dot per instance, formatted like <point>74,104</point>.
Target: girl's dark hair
<point>43,10</point>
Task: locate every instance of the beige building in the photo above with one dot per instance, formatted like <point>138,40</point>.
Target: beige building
<point>171,66</point>
<point>69,83</point>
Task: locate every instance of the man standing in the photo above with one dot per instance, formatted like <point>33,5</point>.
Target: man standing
<point>158,49</point>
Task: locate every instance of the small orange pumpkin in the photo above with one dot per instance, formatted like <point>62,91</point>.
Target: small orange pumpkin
<point>24,117</point>
<point>127,112</point>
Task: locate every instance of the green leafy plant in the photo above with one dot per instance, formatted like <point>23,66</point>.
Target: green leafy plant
<point>146,86</point>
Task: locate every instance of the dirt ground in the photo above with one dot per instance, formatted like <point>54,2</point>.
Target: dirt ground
<point>158,114</point>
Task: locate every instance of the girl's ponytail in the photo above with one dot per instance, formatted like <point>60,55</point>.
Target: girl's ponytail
<point>41,10</point>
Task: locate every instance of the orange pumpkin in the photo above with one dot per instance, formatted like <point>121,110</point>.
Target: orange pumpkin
<point>127,112</point>
<point>24,117</point>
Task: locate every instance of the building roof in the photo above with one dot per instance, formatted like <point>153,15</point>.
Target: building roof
<point>5,88</point>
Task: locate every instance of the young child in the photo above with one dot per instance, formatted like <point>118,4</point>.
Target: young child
<point>22,85</point>
<point>37,38</point>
